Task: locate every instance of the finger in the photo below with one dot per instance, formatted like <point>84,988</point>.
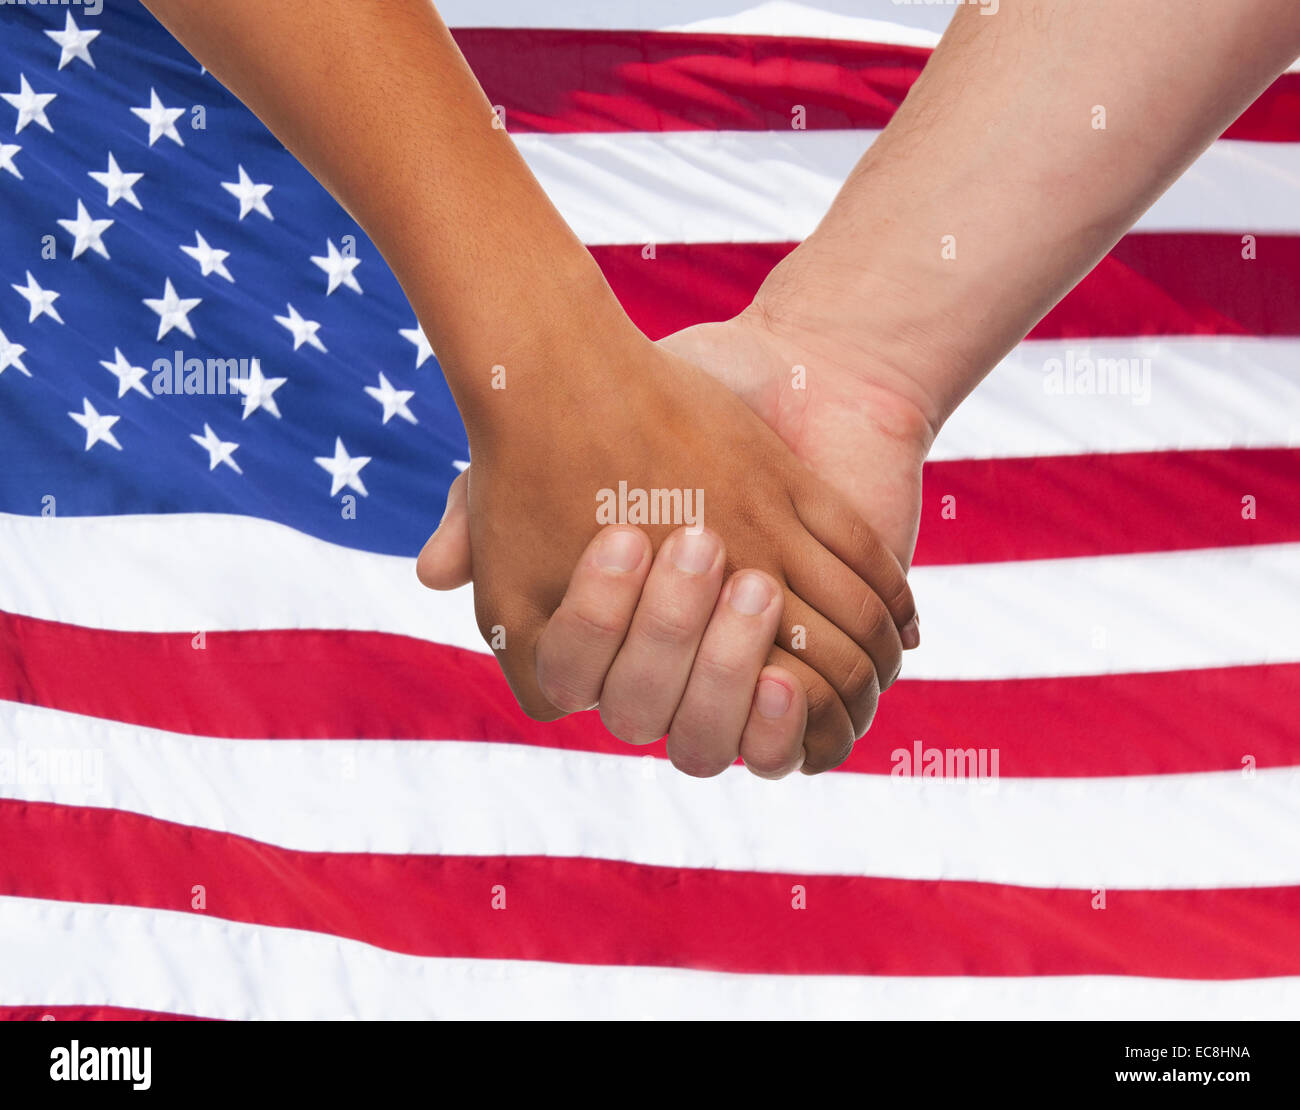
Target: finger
<point>828,734</point>
<point>834,591</point>
<point>646,682</point>
<point>444,563</point>
<point>845,534</point>
<point>848,669</point>
<point>704,738</point>
<point>583,636</point>
<point>772,743</point>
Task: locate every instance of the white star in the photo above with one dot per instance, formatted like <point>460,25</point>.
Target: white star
<point>339,267</point>
<point>345,470</point>
<point>304,331</point>
<point>119,184</point>
<point>460,464</point>
<point>7,153</point>
<point>74,42</point>
<point>393,400</point>
<point>258,390</point>
<point>41,300</point>
<point>218,452</point>
<point>423,349</point>
<point>252,197</point>
<point>128,376</point>
<point>210,260</point>
<point>30,105</point>
<point>97,427</point>
<point>161,120</point>
<point>11,354</point>
<point>87,233</point>
<point>173,311</point>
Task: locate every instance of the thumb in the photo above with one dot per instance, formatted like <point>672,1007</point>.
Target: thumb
<point>444,564</point>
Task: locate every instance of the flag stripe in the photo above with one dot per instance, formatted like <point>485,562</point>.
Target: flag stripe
<point>1204,393</point>
<point>766,186</point>
<point>69,954</point>
<point>877,21</point>
<point>87,1013</point>
<point>871,20</point>
<point>974,511</point>
<point>300,684</point>
<point>1151,284</point>
<point>458,798</point>
<point>1037,618</point>
<point>651,916</point>
<point>598,80</point>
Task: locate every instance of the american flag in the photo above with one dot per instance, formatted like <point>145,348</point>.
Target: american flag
<point>250,769</point>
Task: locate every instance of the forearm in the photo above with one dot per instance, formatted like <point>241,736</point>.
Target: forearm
<point>378,103</point>
<point>999,146</point>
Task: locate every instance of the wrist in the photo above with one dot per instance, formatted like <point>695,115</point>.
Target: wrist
<point>537,353</point>
<point>903,313</point>
<point>873,328</point>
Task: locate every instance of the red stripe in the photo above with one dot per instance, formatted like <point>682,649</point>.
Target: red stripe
<point>303,684</point>
<point>665,287</point>
<point>593,911</point>
<point>88,1013</point>
<point>1184,283</point>
<point>591,81</point>
<point>1150,284</point>
<point>996,510</point>
<point>568,81</point>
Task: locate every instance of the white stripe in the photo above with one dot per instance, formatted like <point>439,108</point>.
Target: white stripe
<point>1195,393</point>
<point>469,798</point>
<point>1162,611</point>
<point>774,186</point>
<point>1098,615</point>
<point>881,21</point>
<point>211,572</point>
<point>79,954</point>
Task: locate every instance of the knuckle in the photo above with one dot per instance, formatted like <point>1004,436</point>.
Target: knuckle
<point>592,625</point>
<point>866,544</point>
<point>720,670</point>
<point>874,619</point>
<point>822,700</point>
<point>829,736</point>
<point>898,599</point>
<point>665,626</point>
<point>768,761</point>
<point>827,747</point>
<point>893,675</point>
<point>859,682</point>
<point>859,536</point>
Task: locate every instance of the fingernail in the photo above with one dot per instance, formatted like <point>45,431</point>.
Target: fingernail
<point>750,594</point>
<point>694,553</point>
<point>911,634</point>
<point>772,699</point>
<point>620,551</point>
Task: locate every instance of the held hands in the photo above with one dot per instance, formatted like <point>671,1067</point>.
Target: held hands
<point>659,627</point>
